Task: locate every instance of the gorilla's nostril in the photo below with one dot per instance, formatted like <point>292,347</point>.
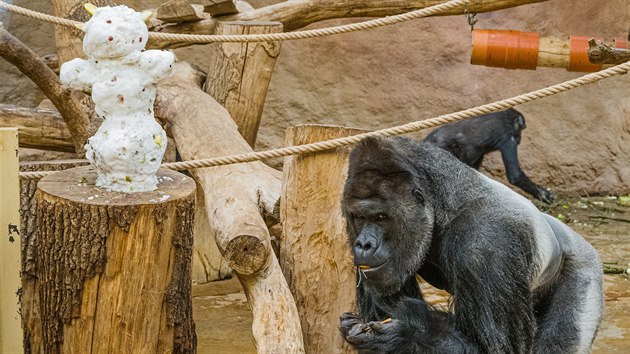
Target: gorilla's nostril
<point>367,247</point>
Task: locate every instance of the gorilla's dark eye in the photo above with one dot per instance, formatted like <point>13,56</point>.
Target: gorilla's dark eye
<point>381,217</point>
<point>418,194</point>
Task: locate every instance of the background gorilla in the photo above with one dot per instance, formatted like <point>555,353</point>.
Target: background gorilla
<point>471,139</point>
<point>521,280</point>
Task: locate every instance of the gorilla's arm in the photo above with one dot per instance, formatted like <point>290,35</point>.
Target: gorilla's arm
<point>516,176</point>
<point>415,326</point>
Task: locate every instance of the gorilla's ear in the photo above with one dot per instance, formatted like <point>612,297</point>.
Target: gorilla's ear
<point>377,155</point>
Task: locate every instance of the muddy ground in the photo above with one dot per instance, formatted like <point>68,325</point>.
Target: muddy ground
<point>223,318</point>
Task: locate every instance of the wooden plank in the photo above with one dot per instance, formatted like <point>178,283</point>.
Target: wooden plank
<point>219,7</point>
<point>10,244</point>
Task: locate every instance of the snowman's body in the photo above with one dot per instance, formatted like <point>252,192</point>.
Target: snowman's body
<point>128,147</point>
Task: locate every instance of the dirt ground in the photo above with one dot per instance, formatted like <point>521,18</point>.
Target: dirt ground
<point>223,317</point>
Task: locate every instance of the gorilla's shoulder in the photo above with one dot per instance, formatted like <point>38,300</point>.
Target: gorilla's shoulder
<point>402,151</point>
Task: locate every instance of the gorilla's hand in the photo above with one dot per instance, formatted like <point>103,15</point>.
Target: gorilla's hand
<point>376,336</point>
<point>546,195</point>
<point>347,321</point>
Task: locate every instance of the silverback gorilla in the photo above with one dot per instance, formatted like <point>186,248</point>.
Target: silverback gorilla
<point>520,280</point>
<point>471,139</point>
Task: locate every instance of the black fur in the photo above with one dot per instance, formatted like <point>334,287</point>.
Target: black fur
<point>413,208</point>
<point>471,139</point>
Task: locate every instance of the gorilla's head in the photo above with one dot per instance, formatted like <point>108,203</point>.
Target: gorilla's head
<point>388,212</point>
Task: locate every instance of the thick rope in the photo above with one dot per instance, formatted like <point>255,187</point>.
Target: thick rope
<point>195,38</point>
<point>620,69</point>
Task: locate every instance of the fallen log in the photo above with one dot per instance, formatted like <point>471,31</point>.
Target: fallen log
<point>236,196</point>
<point>38,128</point>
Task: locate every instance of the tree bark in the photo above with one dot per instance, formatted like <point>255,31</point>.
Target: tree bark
<point>70,103</point>
<point>112,269</point>
<point>235,196</point>
<point>602,53</point>
<point>296,14</point>
<point>31,317</point>
<point>314,253</point>
<point>239,74</point>
<point>39,128</point>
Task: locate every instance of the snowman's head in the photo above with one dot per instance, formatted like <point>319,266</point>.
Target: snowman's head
<point>114,32</point>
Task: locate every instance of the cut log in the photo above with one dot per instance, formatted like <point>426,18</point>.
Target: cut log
<point>236,195</point>
<point>219,7</point>
<point>296,14</point>
<point>175,11</point>
<point>39,128</point>
<point>314,252</point>
<point>239,74</point>
<point>28,221</point>
<point>113,269</point>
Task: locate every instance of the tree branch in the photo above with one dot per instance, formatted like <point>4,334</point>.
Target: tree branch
<point>296,14</point>
<point>602,53</point>
<point>70,103</point>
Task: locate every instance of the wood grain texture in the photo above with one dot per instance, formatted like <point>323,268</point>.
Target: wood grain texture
<point>314,253</point>
<point>239,198</point>
<point>112,269</point>
<point>239,74</point>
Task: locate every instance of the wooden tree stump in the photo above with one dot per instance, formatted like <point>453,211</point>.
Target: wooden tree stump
<point>314,254</point>
<point>112,270</point>
<point>239,74</point>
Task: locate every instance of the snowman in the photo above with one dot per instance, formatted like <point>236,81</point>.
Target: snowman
<point>127,149</point>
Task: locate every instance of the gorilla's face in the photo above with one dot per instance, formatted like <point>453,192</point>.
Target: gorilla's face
<point>389,226</point>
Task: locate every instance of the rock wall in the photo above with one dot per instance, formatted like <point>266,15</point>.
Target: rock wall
<point>575,142</point>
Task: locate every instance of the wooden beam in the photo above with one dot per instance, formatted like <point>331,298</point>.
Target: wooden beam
<point>314,248</point>
<point>38,128</point>
<point>219,7</point>
<point>175,11</point>
<point>239,74</point>
<point>10,244</point>
<point>236,196</point>
<point>296,14</point>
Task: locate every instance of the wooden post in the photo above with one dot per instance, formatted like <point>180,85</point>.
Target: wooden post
<point>235,196</point>
<point>31,319</point>
<point>314,254</point>
<point>10,244</point>
<point>113,269</point>
<point>239,74</point>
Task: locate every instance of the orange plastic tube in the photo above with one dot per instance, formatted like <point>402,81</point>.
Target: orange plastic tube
<point>578,59</point>
<point>505,49</point>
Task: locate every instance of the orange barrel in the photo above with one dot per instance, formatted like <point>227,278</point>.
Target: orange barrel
<point>578,57</point>
<point>505,49</point>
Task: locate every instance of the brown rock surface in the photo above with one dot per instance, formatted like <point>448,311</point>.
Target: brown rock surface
<point>577,142</point>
